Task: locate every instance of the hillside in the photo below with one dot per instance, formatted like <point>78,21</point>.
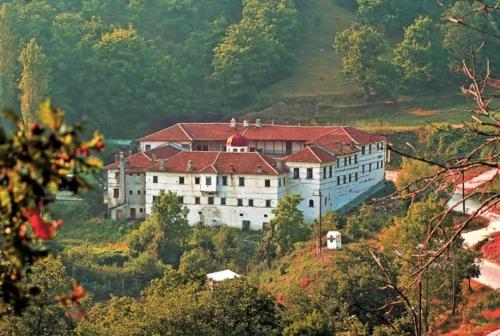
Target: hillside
<point>317,70</point>
<point>316,93</point>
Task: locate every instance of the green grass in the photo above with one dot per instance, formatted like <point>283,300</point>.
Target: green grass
<point>317,70</point>
<point>94,231</point>
<point>382,116</point>
<point>316,93</point>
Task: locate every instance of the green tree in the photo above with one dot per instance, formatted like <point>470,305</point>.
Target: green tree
<point>460,40</point>
<point>166,233</point>
<point>34,81</point>
<point>31,177</point>
<point>239,307</point>
<point>128,76</point>
<point>413,175</point>
<point>446,143</point>
<point>196,262</point>
<point>408,245</point>
<point>421,55</point>
<point>261,42</point>
<point>8,58</point>
<point>393,15</point>
<point>364,59</point>
<point>45,316</point>
<point>366,222</point>
<point>287,226</point>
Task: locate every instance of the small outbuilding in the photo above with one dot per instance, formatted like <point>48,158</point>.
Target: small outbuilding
<point>221,276</point>
<point>333,240</point>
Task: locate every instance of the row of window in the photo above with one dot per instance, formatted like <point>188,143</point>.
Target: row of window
<point>378,165</point>
<point>347,178</point>
<point>222,201</point>
<point>328,171</point>
<point>379,145</point>
<point>224,181</point>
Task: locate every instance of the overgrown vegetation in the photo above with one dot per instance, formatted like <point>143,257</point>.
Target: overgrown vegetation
<point>133,63</point>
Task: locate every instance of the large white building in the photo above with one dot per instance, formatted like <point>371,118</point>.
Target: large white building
<point>236,173</point>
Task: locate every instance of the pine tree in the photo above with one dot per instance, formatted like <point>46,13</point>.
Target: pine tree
<point>34,82</point>
<point>8,58</point>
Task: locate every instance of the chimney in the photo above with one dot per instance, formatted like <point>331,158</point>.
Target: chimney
<point>259,168</point>
<point>116,158</point>
<point>162,164</point>
<point>233,123</point>
<point>258,123</point>
<point>129,152</point>
<point>279,165</point>
<point>123,164</point>
<point>190,165</point>
<point>246,123</point>
<point>154,157</point>
<point>272,122</point>
<point>232,167</point>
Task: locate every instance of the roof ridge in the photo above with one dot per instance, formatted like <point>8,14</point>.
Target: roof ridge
<point>325,150</point>
<point>185,132</point>
<point>215,160</point>
<point>163,129</point>
<point>147,157</point>
<point>270,165</point>
<point>317,157</point>
<point>350,137</point>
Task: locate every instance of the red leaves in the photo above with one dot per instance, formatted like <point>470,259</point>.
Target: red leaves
<point>491,315</point>
<point>83,151</point>
<point>99,145</point>
<point>304,282</point>
<point>77,293</point>
<point>43,230</point>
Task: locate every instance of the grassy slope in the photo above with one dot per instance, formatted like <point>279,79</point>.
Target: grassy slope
<point>317,71</point>
<point>315,92</point>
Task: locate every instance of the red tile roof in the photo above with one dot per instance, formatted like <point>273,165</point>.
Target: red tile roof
<point>312,154</point>
<point>252,163</point>
<point>222,131</point>
<point>173,133</point>
<point>139,161</point>
<point>362,138</point>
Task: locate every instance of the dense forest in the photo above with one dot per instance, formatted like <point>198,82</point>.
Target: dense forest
<point>150,63</point>
<point>121,63</point>
<point>410,46</point>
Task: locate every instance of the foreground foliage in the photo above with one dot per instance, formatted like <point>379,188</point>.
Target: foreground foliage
<point>37,160</point>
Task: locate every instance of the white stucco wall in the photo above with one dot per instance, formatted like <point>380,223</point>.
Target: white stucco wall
<point>334,195</point>
<point>153,144</point>
<point>216,214</point>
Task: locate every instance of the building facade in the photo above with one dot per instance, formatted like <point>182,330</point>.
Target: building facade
<point>235,174</point>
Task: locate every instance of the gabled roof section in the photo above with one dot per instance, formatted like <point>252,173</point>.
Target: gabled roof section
<point>173,133</point>
<point>312,154</point>
<point>361,137</point>
<point>138,162</point>
<point>251,163</point>
<point>162,152</point>
<point>185,132</point>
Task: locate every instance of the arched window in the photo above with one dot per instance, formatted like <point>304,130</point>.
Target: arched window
<point>311,203</point>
